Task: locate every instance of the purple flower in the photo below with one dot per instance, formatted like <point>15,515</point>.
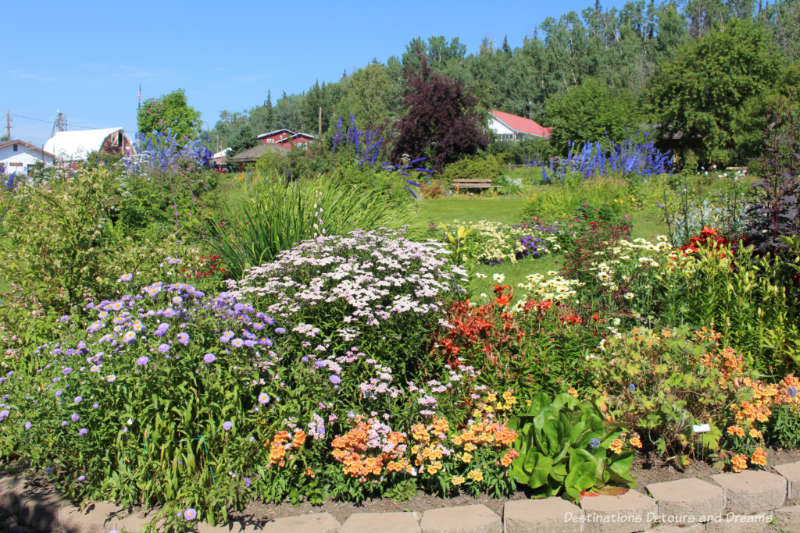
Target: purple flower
<point>64,423</point>
<point>161,330</point>
<point>335,379</point>
<point>3,414</point>
<point>263,398</point>
<point>64,318</point>
<point>81,478</point>
<point>95,405</point>
<point>66,370</point>
<point>247,482</point>
<point>209,358</point>
<point>189,514</point>
<point>183,338</point>
<point>75,417</point>
<point>227,425</point>
<point>28,425</point>
<point>143,360</point>
<point>83,431</point>
<point>78,399</point>
<point>163,348</point>
<point>280,331</point>
<point>792,392</point>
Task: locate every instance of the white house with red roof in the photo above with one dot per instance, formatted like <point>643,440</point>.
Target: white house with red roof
<point>510,127</point>
<point>17,156</point>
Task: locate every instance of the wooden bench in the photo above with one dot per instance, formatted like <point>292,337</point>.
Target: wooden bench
<point>472,184</point>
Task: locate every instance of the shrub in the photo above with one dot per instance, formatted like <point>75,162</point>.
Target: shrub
<point>494,243</point>
<point>661,384</point>
<point>376,289</point>
<point>475,167</point>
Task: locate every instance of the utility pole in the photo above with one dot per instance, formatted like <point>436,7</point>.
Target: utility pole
<point>319,126</point>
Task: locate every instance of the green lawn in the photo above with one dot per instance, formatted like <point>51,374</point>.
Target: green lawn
<point>647,223</point>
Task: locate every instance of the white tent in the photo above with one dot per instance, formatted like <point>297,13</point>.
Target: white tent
<point>78,144</point>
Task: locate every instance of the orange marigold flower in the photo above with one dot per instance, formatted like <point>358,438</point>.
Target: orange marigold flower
<point>616,446</point>
<point>573,392</point>
<point>469,447</point>
<point>739,463</point>
<point>457,480</point>
<point>756,434</point>
<point>759,457</point>
<point>636,442</point>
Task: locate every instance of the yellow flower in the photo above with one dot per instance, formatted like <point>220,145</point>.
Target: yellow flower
<point>457,480</point>
<point>469,447</point>
<point>756,434</point>
<point>616,446</point>
<point>466,457</point>
<point>636,442</point>
<point>475,475</point>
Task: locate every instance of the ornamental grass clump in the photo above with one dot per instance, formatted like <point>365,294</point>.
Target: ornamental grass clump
<point>374,289</point>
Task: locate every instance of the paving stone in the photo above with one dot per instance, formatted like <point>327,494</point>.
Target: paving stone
<point>549,515</point>
<point>381,523</point>
<point>788,518</point>
<point>129,522</point>
<point>462,519</point>
<point>752,491</point>
<point>309,523</point>
<point>791,472</point>
<point>687,501</point>
<point>626,513</point>
<point>696,528</point>
<point>735,523</point>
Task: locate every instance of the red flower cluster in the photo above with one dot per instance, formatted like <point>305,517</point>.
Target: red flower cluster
<point>210,264</point>
<point>709,238</point>
<point>490,326</point>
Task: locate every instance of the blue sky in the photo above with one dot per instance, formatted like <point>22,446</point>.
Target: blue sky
<point>88,58</point>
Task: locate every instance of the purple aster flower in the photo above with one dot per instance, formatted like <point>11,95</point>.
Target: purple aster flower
<point>161,330</point>
<point>83,431</point>
<point>28,425</point>
<point>189,514</point>
<point>247,482</point>
<point>280,331</point>
<point>3,414</point>
<point>263,398</point>
<point>95,405</point>
<point>64,318</point>
<point>143,360</point>
<point>64,423</point>
<point>227,425</point>
<point>78,399</point>
<point>594,442</point>
<point>209,358</point>
<point>163,348</point>
<point>81,478</point>
<point>75,417</point>
<point>631,387</point>
<point>335,379</point>
<point>183,338</point>
<point>237,343</point>
<point>66,370</point>
<point>59,392</point>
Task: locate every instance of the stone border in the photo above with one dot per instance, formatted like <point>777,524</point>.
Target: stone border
<point>749,502</point>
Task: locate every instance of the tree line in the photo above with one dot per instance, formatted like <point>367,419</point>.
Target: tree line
<point>702,73</point>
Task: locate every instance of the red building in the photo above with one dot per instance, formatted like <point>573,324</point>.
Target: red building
<point>287,138</point>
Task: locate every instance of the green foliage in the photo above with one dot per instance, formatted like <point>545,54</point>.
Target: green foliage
<point>567,200</point>
<point>565,448</point>
<point>269,215</point>
<point>242,140</point>
<point>170,113</point>
<point>58,237</point>
<point>474,167</point>
<point>696,94</point>
<point>784,427</point>
<point>591,111</point>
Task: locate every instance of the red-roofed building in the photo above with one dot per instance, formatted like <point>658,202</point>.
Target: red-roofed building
<point>510,127</point>
<point>286,138</point>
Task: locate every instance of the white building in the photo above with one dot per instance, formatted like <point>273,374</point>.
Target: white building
<point>510,127</point>
<point>76,145</point>
<point>17,156</point>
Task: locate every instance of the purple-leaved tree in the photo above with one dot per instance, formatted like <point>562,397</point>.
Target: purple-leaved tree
<point>441,120</point>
